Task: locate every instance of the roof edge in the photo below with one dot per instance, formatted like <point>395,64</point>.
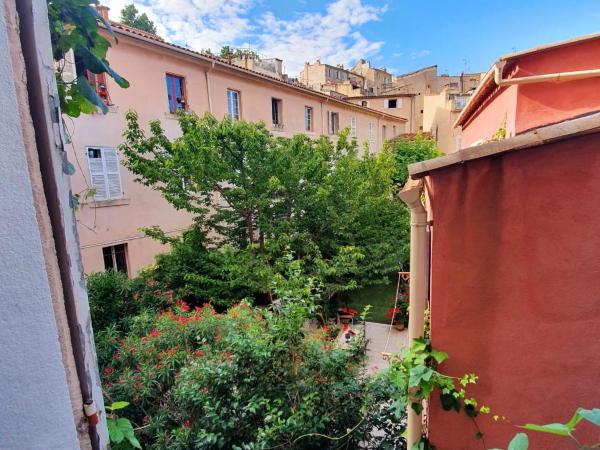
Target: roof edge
<point>215,61</point>
<point>543,135</point>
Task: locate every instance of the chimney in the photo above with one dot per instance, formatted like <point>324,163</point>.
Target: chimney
<point>103,11</point>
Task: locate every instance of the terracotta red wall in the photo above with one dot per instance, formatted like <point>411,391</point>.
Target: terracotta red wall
<point>500,112</point>
<point>516,288</point>
<point>528,106</point>
<point>546,103</point>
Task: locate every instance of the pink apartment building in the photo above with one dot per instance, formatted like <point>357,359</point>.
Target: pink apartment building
<point>164,78</point>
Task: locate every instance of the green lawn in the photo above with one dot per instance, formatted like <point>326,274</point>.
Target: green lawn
<point>380,297</point>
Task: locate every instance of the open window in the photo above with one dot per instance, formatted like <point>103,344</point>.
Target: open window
<point>115,257</point>
<point>176,93</point>
<point>276,112</point>
<point>334,122</point>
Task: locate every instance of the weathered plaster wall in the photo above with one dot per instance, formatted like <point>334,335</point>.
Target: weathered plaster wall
<point>515,288</point>
<point>499,112</point>
<point>36,410</point>
<point>546,103</point>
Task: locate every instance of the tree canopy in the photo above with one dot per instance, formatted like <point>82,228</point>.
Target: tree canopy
<point>332,207</point>
<point>131,16</point>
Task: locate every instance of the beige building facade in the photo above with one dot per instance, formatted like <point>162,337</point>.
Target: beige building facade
<point>164,78</point>
<point>377,81</point>
<point>332,79</point>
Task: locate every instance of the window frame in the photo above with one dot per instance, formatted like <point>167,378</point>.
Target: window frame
<point>112,249</point>
<point>173,103</point>
<point>334,125</point>
<point>277,112</point>
<point>237,105</point>
<point>308,118</point>
<point>105,173</point>
<point>353,126</point>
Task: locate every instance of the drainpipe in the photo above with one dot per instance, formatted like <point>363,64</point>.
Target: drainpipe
<point>208,89</point>
<point>411,195</point>
<point>556,77</point>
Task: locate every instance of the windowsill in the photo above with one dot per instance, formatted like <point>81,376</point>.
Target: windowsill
<point>170,115</point>
<point>107,203</point>
<point>277,128</point>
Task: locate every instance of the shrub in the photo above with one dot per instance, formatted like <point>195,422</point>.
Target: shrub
<point>110,294</point>
<point>251,378</point>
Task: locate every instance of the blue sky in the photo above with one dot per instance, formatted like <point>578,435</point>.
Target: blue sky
<point>401,35</point>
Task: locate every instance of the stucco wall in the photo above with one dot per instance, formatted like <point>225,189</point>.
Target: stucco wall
<point>514,289</point>
<point>36,410</point>
<point>500,111</point>
<point>546,103</point>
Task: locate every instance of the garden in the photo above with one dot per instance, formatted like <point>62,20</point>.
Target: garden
<point>230,342</point>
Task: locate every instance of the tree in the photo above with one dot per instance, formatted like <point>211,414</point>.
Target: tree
<point>130,16</point>
<point>329,206</point>
<point>408,151</point>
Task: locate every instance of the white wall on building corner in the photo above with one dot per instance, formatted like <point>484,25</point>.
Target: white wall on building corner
<point>35,410</point>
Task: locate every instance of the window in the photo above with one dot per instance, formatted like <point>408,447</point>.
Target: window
<point>393,103</point>
<point>334,122</point>
<point>364,103</point>
<point>383,132</point>
<point>371,136</point>
<point>98,83</point>
<point>176,93</point>
<point>353,126</point>
<point>233,104</point>
<point>393,130</point>
<point>276,112</point>
<point>105,176</point>
<point>460,101</point>
<point>115,257</point>
<point>308,118</point>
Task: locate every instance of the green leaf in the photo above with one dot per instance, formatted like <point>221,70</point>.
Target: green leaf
<point>114,433</point>
<point>439,356</point>
<point>86,91</point>
<point>96,65</point>
<point>118,405</point>
<point>551,428</point>
<point>571,424</point>
<point>519,442</point>
<point>591,415</point>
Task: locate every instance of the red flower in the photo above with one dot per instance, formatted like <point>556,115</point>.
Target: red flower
<point>183,305</point>
<point>198,353</point>
<point>116,355</point>
<point>154,332</point>
<point>109,370</point>
<point>145,419</point>
<point>187,424</point>
<point>198,309</point>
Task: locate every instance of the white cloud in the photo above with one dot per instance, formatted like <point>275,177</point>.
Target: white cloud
<point>196,23</point>
<point>331,36</point>
<point>416,54</point>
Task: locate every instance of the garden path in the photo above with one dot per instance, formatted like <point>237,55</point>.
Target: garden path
<point>376,334</point>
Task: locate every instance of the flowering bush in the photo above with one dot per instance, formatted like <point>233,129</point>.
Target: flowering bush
<point>248,379</point>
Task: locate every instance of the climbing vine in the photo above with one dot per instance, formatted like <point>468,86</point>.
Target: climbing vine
<point>74,26</point>
<point>415,374</point>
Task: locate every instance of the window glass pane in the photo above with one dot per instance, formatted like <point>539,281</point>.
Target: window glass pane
<point>121,257</point>
<point>108,260</point>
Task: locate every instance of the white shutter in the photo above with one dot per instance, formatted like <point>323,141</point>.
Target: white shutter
<point>399,103</point>
<point>353,126</point>
<point>386,103</point>
<point>113,176</point>
<point>105,176</point>
<point>97,178</point>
